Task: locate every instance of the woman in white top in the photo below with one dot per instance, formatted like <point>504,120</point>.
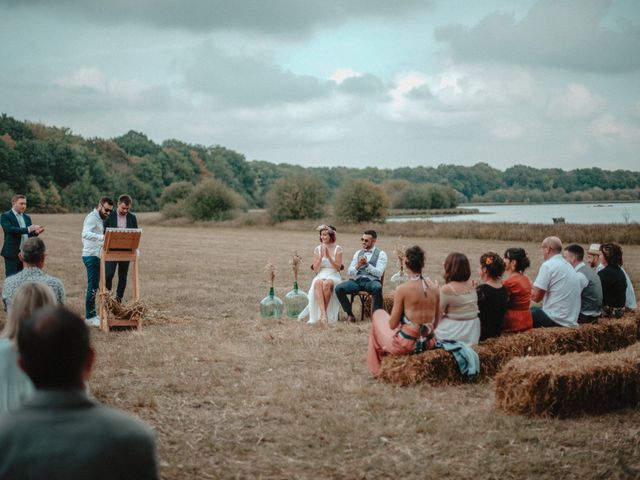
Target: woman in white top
<point>327,258</point>
<point>15,386</point>
<point>458,302</point>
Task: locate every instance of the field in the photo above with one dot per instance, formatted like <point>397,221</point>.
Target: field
<point>234,396</point>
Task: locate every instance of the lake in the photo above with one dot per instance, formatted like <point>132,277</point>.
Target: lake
<point>542,213</point>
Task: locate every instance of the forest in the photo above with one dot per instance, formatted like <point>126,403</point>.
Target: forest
<point>60,171</point>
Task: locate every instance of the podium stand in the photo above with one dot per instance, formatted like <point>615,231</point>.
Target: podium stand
<point>120,245</point>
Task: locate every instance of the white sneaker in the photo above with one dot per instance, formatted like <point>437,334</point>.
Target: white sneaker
<point>93,321</point>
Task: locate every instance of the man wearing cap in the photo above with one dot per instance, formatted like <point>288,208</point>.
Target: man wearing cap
<point>17,228</point>
<point>593,259</point>
<point>558,287</point>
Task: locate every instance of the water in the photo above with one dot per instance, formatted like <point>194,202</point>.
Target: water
<point>542,213</point>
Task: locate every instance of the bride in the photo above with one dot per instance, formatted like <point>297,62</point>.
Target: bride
<point>327,258</point>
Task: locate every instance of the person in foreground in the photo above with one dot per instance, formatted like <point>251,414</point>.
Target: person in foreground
<point>60,433</point>
<point>121,217</point>
<point>518,316</point>
<point>558,286</point>
<point>413,319</point>
<point>32,253</point>
<point>15,386</point>
<point>365,273</point>
<point>614,281</point>
<point>92,239</point>
<point>17,227</point>
<point>492,296</point>
<point>323,304</point>
<point>458,302</point>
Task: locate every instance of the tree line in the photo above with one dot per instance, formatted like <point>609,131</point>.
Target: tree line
<point>60,171</point>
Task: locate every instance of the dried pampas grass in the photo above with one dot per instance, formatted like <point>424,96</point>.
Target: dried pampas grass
<point>437,367</point>
<point>570,385</point>
<point>134,311</point>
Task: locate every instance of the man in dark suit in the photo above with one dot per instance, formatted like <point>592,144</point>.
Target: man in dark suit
<point>17,227</point>
<point>60,432</point>
<point>121,217</point>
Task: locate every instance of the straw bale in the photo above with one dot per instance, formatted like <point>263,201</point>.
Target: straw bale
<point>437,367</point>
<point>570,385</point>
<point>387,304</point>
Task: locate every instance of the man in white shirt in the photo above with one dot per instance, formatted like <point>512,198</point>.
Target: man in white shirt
<point>365,273</point>
<point>92,238</point>
<point>558,286</point>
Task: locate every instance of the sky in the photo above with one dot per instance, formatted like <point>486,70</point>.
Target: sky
<point>357,83</point>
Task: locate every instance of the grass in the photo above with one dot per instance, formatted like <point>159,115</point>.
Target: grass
<point>233,396</point>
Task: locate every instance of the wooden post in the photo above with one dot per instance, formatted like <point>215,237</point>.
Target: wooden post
<point>120,245</point>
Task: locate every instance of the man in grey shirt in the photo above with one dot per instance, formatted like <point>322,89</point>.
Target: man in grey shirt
<point>61,433</point>
<point>591,296</point>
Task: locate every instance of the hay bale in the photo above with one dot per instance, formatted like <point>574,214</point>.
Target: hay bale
<point>387,299</point>
<point>437,367</point>
<point>570,385</point>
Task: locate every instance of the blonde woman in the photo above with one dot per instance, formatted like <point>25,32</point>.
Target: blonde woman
<point>327,258</point>
<point>15,386</point>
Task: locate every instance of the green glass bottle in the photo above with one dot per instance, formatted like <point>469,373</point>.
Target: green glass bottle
<point>295,301</point>
<point>271,306</point>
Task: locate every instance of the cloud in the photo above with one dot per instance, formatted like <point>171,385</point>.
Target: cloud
<point>245,80</point>
<point>559,33</point>
<point>341,74</point>
<point>573,102</point>
<point>87,79</point>
<point>608,130</point>
<point>506,130</point>
<point>273,17</point>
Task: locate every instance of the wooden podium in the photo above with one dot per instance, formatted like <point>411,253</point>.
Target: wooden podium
<point>120,245</point>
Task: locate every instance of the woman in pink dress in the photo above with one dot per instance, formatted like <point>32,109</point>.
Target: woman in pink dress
<point>413,318</point>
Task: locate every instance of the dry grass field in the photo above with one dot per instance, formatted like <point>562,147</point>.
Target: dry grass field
<point>234,396</point>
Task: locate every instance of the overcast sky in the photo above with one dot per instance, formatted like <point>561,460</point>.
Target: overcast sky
<point>335,82</point>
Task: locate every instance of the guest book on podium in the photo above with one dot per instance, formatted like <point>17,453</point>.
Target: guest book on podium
<point>120,245</point>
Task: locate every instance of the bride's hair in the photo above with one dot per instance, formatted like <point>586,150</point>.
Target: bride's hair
<point>331,231</point>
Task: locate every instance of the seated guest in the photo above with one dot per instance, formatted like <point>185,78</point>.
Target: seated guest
<point>593,258</point>
<point>61,433</point>
<point>492,296</point>
<point>365,273</point>
<point>558,286</point>
<point>614,282</point>
<point>458,302</point>
<point>518,316</point>
<point>413,318</point>
<point>591,297</point>
<point>15,386</point>
<point>32,254</point>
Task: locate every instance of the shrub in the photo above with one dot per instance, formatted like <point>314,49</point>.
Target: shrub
<point>211,200</point>
<point>361,201</point>
<point>175,192</point>
<point>296,197</point>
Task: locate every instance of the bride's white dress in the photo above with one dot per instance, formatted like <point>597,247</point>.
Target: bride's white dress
<point>326,272</point>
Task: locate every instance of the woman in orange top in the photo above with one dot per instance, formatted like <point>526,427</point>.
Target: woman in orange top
<point>518,317</point>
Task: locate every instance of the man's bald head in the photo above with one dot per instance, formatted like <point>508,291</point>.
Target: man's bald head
<point>553,243</point>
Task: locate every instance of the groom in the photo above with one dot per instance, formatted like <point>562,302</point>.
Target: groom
<point>365,272</point>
